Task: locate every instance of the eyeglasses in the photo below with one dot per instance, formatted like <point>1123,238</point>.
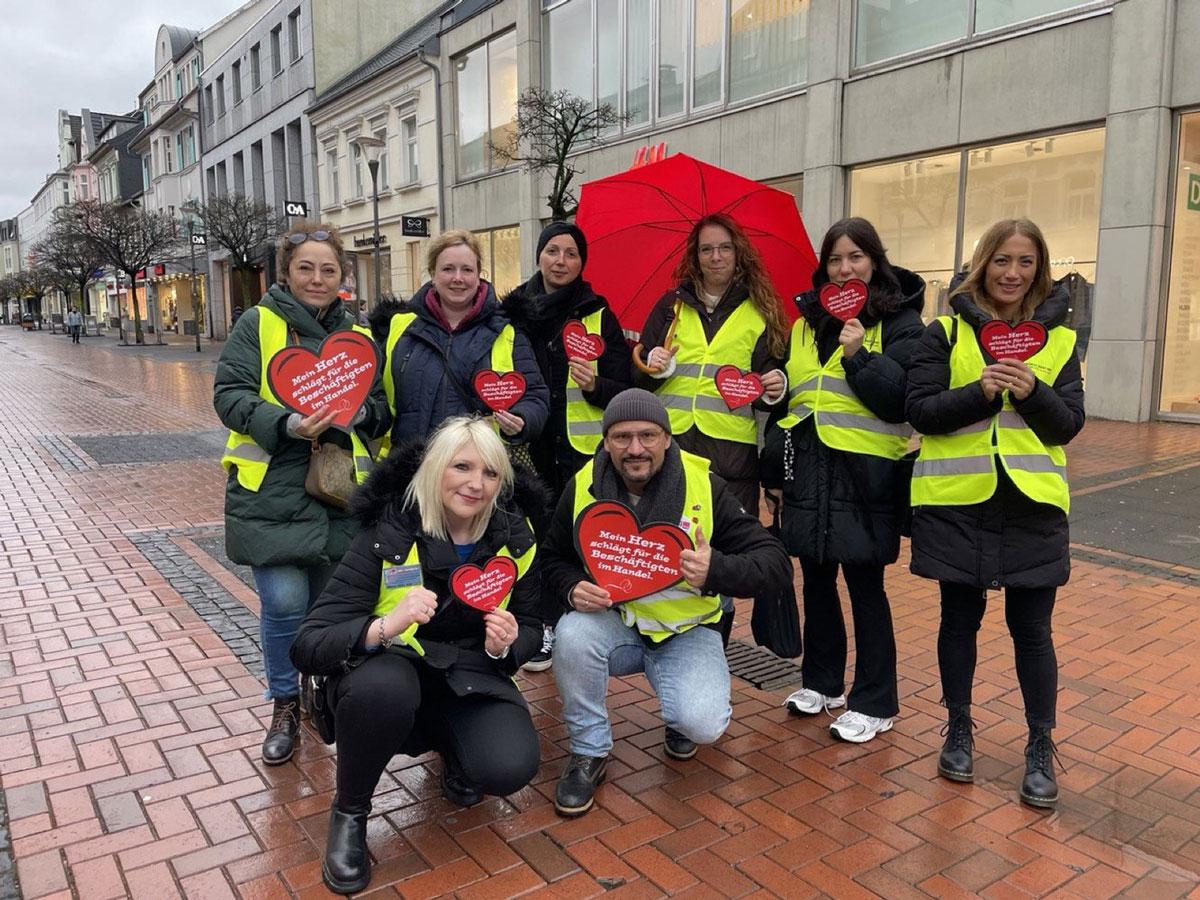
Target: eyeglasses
<point>301,236</point>
<point>714,249</point>
<point>648,439</point>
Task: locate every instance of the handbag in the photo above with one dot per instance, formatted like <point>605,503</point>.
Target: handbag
<point>775,619</point>
<point>330,475</point>
<point>320,710</point>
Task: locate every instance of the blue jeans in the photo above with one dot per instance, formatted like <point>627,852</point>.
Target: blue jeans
<point>286,593</point>
<point>687,672</point>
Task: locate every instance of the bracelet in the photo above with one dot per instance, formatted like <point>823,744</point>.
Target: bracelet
<point>384,641</point>
<point>503,653</point>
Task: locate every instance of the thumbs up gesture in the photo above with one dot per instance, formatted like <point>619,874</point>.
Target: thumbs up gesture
<point>693,564</point>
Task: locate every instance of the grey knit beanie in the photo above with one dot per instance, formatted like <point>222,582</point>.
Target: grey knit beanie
<point>635,405</point>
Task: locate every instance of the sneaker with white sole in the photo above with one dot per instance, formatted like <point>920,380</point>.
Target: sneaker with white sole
<point>543,659</point>
<point>858,728</point>
<point>808,703</point>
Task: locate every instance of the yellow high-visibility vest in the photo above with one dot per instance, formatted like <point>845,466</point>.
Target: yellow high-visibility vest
<point>843,422</point>
<point>690,394</point>
<point>681,606</point>
<point>959,468</point>
<point>583,419</point>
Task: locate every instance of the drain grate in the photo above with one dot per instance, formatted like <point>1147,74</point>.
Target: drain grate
<point>761,667</point>
<point>64,453</point>
<point>151,447</point>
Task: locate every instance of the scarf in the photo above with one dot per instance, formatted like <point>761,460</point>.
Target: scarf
<point>663,498</point>
<point>544,313</point>
<point>434,303</point>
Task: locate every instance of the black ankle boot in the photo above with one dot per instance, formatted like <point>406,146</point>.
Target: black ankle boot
<point>280,742</point>
<point>347,868</point>
<point>955,761</point>
<point>1039,788</point>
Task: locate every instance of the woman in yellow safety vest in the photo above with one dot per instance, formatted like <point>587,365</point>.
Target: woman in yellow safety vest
<point>989,489</point>
<point>844,491</point>
<point>409,667</point>
<point>289,538</point>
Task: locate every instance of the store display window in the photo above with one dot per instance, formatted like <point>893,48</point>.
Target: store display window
<point>1179,394</point>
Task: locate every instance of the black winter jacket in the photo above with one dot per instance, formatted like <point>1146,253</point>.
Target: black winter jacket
<point>541,316</point>
<point>330,640</point>
<point>731,460</point>
<point>433,371</point>
<point>746,560</point>
<point>1008,540</point>
<point>840,506</point>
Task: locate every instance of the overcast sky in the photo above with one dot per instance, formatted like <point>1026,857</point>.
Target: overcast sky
<point>70,54</point>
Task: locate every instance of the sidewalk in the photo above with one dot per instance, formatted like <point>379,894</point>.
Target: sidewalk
<point>131,711</point>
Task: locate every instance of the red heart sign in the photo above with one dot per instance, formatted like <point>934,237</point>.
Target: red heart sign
<point>628,561</point>
<point>737,388</point>
<point>339,374</point>
<point>1004,341</point>
<point>579,344</point>
<point>484,589</point>
<point>846,301</point>
<point>499,391</point>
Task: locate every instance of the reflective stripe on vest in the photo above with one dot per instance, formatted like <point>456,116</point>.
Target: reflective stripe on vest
<point>959,468</point>
<point>241,452</point>
<point>583,419</point>
<point>690,394</point>
<point>843,421</point>
<point>680,606</point>
<point>390,597</point>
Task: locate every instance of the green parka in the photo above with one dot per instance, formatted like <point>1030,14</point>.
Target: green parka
<point>282,524</point>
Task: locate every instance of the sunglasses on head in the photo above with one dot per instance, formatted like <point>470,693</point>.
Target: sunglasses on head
<point>301,236</point>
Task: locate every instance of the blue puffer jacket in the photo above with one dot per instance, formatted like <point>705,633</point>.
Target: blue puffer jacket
<point>433,370</point>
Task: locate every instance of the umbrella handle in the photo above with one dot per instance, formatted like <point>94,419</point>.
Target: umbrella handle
<point>667,342</point>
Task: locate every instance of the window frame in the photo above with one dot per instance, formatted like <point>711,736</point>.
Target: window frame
<point>219,93</point>
<point>486,46</point>
<point>256,67</point>
<point>293,19</point>
<point>277,50</point>
<point>235,81</point>
<point>410,148</point>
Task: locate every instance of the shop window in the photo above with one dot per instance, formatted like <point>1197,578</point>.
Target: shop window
<point>1180,388</point>
<point>501,257</point>
<point>487,103</point>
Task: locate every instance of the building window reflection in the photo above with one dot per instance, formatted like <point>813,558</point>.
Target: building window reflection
<point>1180,388</point>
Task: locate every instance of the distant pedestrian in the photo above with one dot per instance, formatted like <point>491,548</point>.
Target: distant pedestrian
<point>74,324</point>
<point>363,314</point>
<point>237,314</point>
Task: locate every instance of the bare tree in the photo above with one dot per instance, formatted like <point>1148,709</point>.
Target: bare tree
<point>30,284</point>
<point>244,227</point>
<point>69,258</point>
<point>129,240</point>
<point>551,126</point>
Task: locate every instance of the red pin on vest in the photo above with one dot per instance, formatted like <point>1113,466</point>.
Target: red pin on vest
<point>1004,341</point>
<point>844,301</point>
<point>627,560</point>
<point>737,388</point>
<point>499,391</point>
<point>339,374</point>
<point>484,589</point>
<point>578,343</point>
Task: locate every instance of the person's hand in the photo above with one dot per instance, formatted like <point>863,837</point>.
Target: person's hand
<point>773,384</point>
<point>581,372</point>
<point>499,631</point>
<point>851,337</point>
<point>1016,377</point>
<point>660,358</point>
<point>693,564</point>
<point>588,597</point>
<point>418,606</point>
<point>510,424</point>
<point>992,387</point>
<point>311,427</point>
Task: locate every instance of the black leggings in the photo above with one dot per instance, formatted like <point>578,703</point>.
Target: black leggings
<point>389,704</point>
<point>1027,612</point>
<point>824,665</point>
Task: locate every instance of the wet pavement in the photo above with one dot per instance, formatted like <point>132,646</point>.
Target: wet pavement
<point>131,710</point>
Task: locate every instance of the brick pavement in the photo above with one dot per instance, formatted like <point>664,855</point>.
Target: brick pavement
<point>130,727</point>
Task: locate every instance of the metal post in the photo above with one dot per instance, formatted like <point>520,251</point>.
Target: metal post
<point>195,303</point>
<point>373,165</point>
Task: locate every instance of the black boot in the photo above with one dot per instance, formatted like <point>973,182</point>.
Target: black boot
<point>1039,787</point>
<point>678,745</point>
<point>955,761</point>
<point>280,742</point>
<point>576,790</point>
<point>456,787</point>
<point>347,868</point>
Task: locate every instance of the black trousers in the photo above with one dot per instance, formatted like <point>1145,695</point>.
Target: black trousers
<point>389,703</point>
<point>824,665</point>
<point>1027,612</point>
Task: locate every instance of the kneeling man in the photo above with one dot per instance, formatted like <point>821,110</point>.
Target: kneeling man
<point>674,635</point>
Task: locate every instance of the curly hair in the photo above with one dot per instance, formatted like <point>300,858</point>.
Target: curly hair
<point>286,249</point>
<point>748,271</point>
<point>975,284</point>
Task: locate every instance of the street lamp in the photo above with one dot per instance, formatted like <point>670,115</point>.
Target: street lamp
<point>372,148</point>
<point>194,239</point>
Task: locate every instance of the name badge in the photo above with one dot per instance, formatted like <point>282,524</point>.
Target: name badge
<point>401,576</point>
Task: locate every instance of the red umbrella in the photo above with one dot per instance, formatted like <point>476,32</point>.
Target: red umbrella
<point>637,223</point>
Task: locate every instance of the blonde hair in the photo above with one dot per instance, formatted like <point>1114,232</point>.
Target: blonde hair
<point>457,237</point>
<point>975,284</point>
<point>286,249</point>
<point>424,491</point>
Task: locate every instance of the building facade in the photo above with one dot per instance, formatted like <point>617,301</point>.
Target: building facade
<point>10,264</point>
<point>932,119</point>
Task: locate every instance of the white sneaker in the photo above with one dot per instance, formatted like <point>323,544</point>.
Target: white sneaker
<point>543,659</point>
<point>858,728</point>
<point>809,703</point>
